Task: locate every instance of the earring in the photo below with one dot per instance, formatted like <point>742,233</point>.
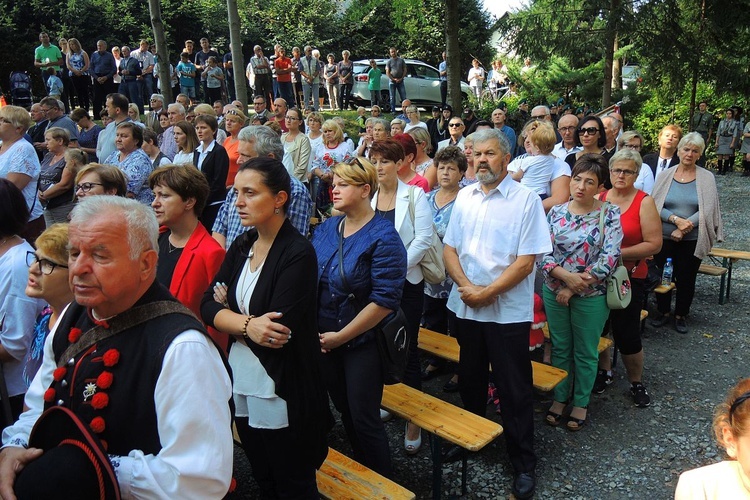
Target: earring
<point>276,211</point>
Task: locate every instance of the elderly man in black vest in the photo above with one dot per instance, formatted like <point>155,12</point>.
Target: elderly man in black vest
<point>136,370</point>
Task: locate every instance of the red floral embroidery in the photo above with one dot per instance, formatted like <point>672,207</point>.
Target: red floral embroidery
<point>74,335</point>
<point>49,395</point>
<point>59,373</point>
<point>111,357</point>
<point>104,380</point>
<point>100,400</point>
<point>97,425</point>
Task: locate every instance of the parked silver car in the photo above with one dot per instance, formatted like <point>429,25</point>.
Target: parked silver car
<point>422,83</point>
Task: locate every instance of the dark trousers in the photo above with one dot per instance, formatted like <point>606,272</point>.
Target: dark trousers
<point>685,266</point>
<point>131,90</point>
<point>298,94</point>
<point>81,84</point>
<point>354,379</point>
<point>274,458</point>
<point>264,88</point>
<point>626,323</point>
<point>275,86</point>
<point>437,317</point>
<point>213,95</point>
<point>412,303</point>
<point>230,86</point>
<point>69,90</point>
<point>146,84</point>
<point>443,92</point>
<point>101,90</point>
<point>506,348</point>
<point>286,91</point>
<point>345,94</point>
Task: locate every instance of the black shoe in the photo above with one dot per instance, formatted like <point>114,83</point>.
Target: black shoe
<point>453,454</point>
<point>430,374</point>
<point>660,320</point>
<point>524,484</point>
<point>640,395</point>
<point>603,379</point>
<point>680,325</point>
<point>450,386</point>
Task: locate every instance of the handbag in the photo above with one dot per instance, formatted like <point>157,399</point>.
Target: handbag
<point>619,290</point>
<point>433,267</point>
<point>391,335</point>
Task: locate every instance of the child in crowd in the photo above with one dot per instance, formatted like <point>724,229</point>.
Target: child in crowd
<point>214,77</point>
<point>373,83</point>
<point>54,84</point>
<point>730,478</point>
<point>186,70</point>
<point>361,120</point>
<point>106,120</point>
<point>535,170</point>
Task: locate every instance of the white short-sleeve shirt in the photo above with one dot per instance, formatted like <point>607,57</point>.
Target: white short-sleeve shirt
<point>489,231</point>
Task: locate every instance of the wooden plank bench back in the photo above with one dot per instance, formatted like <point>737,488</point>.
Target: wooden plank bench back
<point>341,477</point>
<point>545,377</point>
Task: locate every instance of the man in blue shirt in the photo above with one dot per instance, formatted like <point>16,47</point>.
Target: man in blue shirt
<point>256,141</point>
<point>443,69</point>
<point>103,69</point>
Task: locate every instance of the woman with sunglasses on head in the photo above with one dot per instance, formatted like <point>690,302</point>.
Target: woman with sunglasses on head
<point>373,266</point>
<point>641,239</point>
<point>591,137</point>
<point>99,179</point>
<point>729,478</point>
<point>17,311</point>
<point>297,150</point>
<point>688,204</point>
<point>48,281</point>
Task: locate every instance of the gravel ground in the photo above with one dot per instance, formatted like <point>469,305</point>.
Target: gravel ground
<point>624,451</point>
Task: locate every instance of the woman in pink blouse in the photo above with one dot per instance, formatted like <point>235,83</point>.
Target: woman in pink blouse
<point>584,253</point>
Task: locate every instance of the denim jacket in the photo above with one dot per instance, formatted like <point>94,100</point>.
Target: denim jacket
<point>374,266</point>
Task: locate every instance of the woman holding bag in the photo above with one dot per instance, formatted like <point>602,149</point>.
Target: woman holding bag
<point>374,267</point>
<point>586,237</point>
<point>641,239</point>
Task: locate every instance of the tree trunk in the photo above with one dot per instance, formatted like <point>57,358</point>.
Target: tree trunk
<point>453,55</point>
<point>617,68</point>
<point>610,37</point>
<point>235,44</point>
<point>162,51</point>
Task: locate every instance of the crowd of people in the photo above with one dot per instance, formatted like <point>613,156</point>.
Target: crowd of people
<point>199,227</point>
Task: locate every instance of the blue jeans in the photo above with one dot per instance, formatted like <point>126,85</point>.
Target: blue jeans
<point>131,89</point>
<point>286,92</point>
<point>306,90</point>
<point>392,88</point>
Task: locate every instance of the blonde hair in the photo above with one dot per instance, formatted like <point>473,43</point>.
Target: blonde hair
<point>54,242</point>
<point>543,137</point>
<point>338,134</point>
<point>60,134</point>
<point>17,116</point>
<point>358,172</point>
<point>205,109</point>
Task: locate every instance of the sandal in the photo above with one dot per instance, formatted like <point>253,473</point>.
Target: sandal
<point>576,424</point>
<point>553,418</point>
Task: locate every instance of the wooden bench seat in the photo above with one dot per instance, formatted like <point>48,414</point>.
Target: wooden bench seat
<point>444,422</point>
<point>545,377</point>
<point>712,270</point>
<point>341,477</point>
<point>664,288</point>
<point>728,258</point>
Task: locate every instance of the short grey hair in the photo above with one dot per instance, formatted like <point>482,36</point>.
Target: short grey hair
<point>399,121</point>
<point>546,110</point>
<point>142,227</point>
<point>628,136</point>
<point>176,106</point>
<point>489,134</point>
<point>160,97</point>
<point>626,154</point>
<point>693,139</point>
<point>266,141</point>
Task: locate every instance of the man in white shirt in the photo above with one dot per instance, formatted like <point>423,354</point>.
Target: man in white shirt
<point>496,233</point>
<point>146,78</point>
<point>117,109</point>
<point>143,374</point>
<point>567,126</point>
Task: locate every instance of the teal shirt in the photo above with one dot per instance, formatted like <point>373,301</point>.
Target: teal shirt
<point>373,79</point>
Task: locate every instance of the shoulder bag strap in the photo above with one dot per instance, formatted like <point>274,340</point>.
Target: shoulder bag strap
<point>411,204</point>
<point>128,319</point>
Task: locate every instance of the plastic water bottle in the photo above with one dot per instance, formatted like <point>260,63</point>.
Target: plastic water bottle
<point>666,275</point>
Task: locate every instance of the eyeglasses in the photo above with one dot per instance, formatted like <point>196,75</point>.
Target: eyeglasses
<point>565,130</point>
<point>86,186</point>
<point>632,146</point>
<point>46,110</point>
<point>45,266</point>
<point>589,131</point>
<point>455,124</point>
<point>618,172</point>
<point>540,117</point>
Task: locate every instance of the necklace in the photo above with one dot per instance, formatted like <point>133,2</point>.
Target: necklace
<point>387,207</point>
<point>247,282</point>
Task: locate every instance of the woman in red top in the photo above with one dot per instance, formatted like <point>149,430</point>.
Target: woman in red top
<point>642,238</point>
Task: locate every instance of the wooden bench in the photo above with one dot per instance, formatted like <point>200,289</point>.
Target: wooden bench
<point>444,422</point>
<point>728,257</point>
<point>545,377</point>
<point>664,288</point>
<point>711,270</point>
<point>342,477</point>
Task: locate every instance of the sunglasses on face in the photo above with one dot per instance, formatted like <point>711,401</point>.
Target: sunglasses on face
<point>589,131</point>
<point>355,161</point>
<point>455,124</point>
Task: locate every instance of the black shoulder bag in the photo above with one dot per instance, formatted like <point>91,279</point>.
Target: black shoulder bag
<point>391,335</point>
